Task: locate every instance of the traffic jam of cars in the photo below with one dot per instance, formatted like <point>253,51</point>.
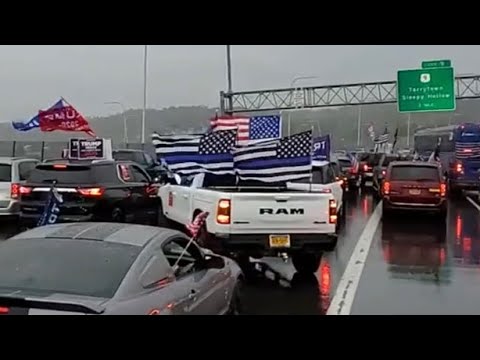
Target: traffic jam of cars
<point>177,232</point>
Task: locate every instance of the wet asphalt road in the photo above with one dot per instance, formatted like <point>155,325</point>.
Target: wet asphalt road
<point>418,267</point>
<point>415,266</point>
<point>278,290</point>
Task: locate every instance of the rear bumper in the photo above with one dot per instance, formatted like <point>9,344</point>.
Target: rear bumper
<point>434,208</point>
<point>12,209</point>
<point>259,243</point>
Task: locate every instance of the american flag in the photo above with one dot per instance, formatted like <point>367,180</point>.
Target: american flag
<point>382,139</point>
<point>282,160</point>
<point>354,162</point>
<point>195,154</point>
<point>251,130</point>
<point>467,150</point>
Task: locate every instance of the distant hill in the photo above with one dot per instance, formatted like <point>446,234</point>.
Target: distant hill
<point>341,123</point>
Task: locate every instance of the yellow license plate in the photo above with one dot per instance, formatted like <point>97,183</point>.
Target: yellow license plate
<point>280,241</point>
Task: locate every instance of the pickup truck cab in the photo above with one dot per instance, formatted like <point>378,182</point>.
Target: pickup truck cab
<point>255,221</point>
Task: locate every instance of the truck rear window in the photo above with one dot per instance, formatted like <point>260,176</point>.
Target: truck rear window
<point>414,173</point>
<point>68,175</point>
<point>5,173</point>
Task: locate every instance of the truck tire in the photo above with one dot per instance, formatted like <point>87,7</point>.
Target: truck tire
<point>306,263</point>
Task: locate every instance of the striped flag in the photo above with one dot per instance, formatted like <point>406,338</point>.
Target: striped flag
<point>251,130</point>
<point>467,150</point>
<point>195,154</point>
<point>282,160</point>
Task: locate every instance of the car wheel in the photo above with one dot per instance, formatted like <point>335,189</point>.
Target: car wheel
<point>236,303</point>
<point>306,263</point>
<point>117,215</point>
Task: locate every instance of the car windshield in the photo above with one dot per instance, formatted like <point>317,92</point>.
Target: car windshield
<point>344,163</point>
<point>5,173</point>
<point>414,173</point>
<point>64,266</point>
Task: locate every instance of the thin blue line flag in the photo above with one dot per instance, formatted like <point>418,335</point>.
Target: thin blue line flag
<point>52,208</point>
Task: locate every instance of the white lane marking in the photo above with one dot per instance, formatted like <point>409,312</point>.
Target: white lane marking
<point>342,301</point>
<point>471,201</point>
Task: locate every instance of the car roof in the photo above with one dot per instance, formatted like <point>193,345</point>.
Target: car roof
<point>11,160</point>
<point>415,163</point>
<point>128,234</point>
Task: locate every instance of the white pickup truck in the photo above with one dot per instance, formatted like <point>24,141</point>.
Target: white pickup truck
<point>256,221</point>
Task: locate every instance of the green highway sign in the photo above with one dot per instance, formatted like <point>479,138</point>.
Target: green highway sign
<point>426,90</point>
<point>436,64</point>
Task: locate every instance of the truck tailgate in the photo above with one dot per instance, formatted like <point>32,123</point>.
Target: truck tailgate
<point>288,212</point>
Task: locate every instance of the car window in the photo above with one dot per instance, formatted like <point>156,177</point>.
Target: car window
<point>138,175</point>
<point>387,160</point>
<point>189,262</point>
<point>64,266</point>
<point>63,174</point>
<point>414,173</point>
<point>330,176</point>
<point>148,159</point>
<point>344,164</point>
<point>5,173</point>
<point>25,169</point>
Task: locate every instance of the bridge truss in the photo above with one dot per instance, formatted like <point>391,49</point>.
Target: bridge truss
<point>385,92</point>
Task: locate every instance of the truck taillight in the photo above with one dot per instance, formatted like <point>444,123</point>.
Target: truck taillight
<point>386,188</point>
<point>332,212</point>
<point>15,191</point>
<point>443,190</point>
<point>223,212</point>
<point>24,190</point>
<point>365,168</point>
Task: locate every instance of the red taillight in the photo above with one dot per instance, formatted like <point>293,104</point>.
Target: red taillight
<point>4,310</point>
<point>443,190</point>
<point>154,312</point>
<point>91,192</point>
<point>151,190</point>
<point>459,168</point>
<point>332,212</point>
<point>25,190</point>
<point>353,170</point>
<point>59,166</point>
<point>384,173</point>
<point>386,188</point>
<point>223,212</point>
<point>15,191</point>
<point>365,167</point>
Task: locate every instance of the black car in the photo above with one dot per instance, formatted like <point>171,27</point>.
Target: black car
<point>379,172</point>
<point>97,191</point>
<point>150,165</point>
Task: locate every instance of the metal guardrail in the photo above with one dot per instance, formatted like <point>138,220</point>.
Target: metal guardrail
<point>44,150</point>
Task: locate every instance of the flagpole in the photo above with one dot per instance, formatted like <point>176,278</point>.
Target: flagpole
<point>144,112</point>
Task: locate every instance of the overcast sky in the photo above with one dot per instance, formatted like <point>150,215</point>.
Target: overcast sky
<point>33,77</point>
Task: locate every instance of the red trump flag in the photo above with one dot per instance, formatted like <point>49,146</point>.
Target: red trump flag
<point>65,118</point>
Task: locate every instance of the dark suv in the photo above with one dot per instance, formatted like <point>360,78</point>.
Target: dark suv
<point>97,191</point>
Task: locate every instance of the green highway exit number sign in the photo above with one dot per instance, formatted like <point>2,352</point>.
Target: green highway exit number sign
<point>426,90</point>
<point>436,64</point>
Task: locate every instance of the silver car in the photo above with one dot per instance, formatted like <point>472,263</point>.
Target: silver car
<point>13,172</point>
<point>114,269</point>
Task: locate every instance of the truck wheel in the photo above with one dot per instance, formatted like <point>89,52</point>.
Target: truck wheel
<point>306,263</point>
<point>331,246</point>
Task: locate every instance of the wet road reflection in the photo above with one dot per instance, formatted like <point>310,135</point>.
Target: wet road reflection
<point>279,290</point>
<point>418,266</point>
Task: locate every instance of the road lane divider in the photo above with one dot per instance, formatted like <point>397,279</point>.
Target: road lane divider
<point>473,202</point>
<point>342,301</point>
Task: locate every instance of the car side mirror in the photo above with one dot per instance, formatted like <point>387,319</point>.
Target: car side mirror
<point>214,262</point>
